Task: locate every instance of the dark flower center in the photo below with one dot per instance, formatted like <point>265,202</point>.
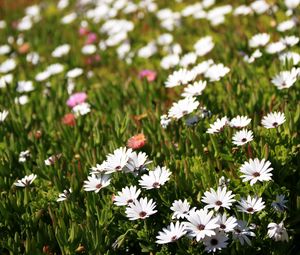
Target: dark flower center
<point>250,209</point>
<point>184,112</point>
<point>275,124</point>
<point>99,186</point>
<point>214,242</point>
<point>244,140</point>
<point>238,231</point>
<point>129,201</point>
<point>201,227</point>
<point>155,185</point>
<point>142,214</point>
<point>118,168</point>
<point>173,238</point>
<point>256,174</point>
<point>218,203</point>
<point>222,226</point>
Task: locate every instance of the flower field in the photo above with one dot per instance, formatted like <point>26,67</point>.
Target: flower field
<point>149,127</point>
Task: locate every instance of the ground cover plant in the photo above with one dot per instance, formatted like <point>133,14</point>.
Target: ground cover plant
<point>156,127</point>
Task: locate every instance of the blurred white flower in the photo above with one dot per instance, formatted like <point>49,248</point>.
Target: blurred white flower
<point>140,209</point>
<point>242,232</point>
<point>242,137</point>
<point>216,242</point>
<point>155,179</point>
<point>126,196</point>
<point>96,182</point>
<point>217,126</point>
<point>3,115</point>
<point>180,209</point>
<point>273,120</point>
<point>26,181</point>
<point>277,232</point>
<point>251,205</point>
<point>183,107</point>
<point>171,234</point>
<point>65,195</point>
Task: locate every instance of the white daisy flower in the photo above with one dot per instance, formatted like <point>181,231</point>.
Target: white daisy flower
<point>96,182</point>
<point>22,100</point>
<point>183,107</point>
<point>201,223</point>
<point>5,80</point>
<point>156,178</point>
<point>23,156</point>
<point>217,126</point>
<point>204,45</point>
<point>137,162</point>
<point>8,65</point>
<point>116,161</point>
<point>52,159</point>
<point>277,232</point>
<point>242,137</point>
<point>171,234</point>
<point>74,73</point>
<point>226,224</point>
<point>98,169</point>
<point>180,209</point>
<point>4,49</point>
<point>69,18</point>
<point>3,115</point>
<point>291,4</point>
<point>279,203</point>
<point>26,181</point>
<point>251,205</point>
<point>217,199</point>
<point>286,25</point>
<point>242,232</point>
<point>256,170</point>
<point>65,195</point>
<point>88,49</point>
<point>81,109</point>
<point>194,89</point>
<point>275,47</point>
<point>25,86</point>
<point>164,121</point>
<point>284,79</point>
<point>140,209</point>
<point>188,59</point>
<point>293,57</point>
<point>180,77</point>
<point>290,40</point>
<point>259,40</point>
<point>273,120</point>
<point>216,71</point>
<point>126,196</point>
<point>61,51</point>
<point>240,121</point>
<point>260,6</point>
<point>202,67</point>
<point>55,69</point>
<point>215,242</point>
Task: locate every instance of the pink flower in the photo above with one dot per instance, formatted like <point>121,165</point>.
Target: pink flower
<point>76,99</point>
<point>83,31</point>
<point>148,74</point>
<point>91,38</point>
<point>136,141</point>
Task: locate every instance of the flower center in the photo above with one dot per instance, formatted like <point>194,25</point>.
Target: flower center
<point>244,140</point>
<point>173,238</point>
<point>118,168</point>
<point>99,186</point>
<point>222,226</point>
<point>129,201</point>
<point>201,227</point>
<point>155,185</point>
<point>250,209</point>
<point>142,214</point>
<point>214,242</point>
<point>218,203</point>
<point>256,174</point>
<point>275,124</point>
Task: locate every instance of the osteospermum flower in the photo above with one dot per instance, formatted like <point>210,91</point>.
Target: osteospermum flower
<point>194,89</point>
<point>226,224</point>
<point>65,195</point>
<point>217,126</point>
<point>76,99</point>
<point>116,161</point>
<point>242,232</point>
<point>279,203</point>
<point>240,121</point>
<point>156,178</point>
<point>140,209</point>
<point>259,40</point>
<point>251,205</point>
<point>273,120</point>
<point>137,162</point>
<point>136,142</point>
<point>148,74</point>
<point>126,196</point>
<point>183,107</point>
<point>171,234</point>
<point>215,242</point>
<point>180,209</point>
<point>216,199</point>
<point>216,71</point>
<point>81,109</point>
<point>242,137</point>
<point>201,223</point>
<point>256,170</point>
<point>277,232</point>
<point>96,182</point>
<point>284,79</point>
<point>26,181</point>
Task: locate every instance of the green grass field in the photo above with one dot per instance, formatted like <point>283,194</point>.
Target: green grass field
<point>178,72</point>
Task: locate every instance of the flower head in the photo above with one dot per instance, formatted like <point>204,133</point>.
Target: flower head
<point>215,242</point>
<point>156,178</point>
<point>137,141</point>
<point>242,232</point>
<point>217,126</point>
<point>171,234</point>
<point>183,107</point>
<point>251,205</point>
<point>279,203</point>
<point>126,196</point>
<point>242,137</point>
<point>116,161</point>
<point>256,170</point>
<point>273,120</point>
<point>26,181</point>
<point>278,232</point>
<point>217,199</point>
<point>65,195</point>
<point>96,182</point>
<point>240,122</point>
<point>180,209</point>
<point>226,224</point>
<point>140,209</point>
<point>76,99</point>
<point>148,74</point>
